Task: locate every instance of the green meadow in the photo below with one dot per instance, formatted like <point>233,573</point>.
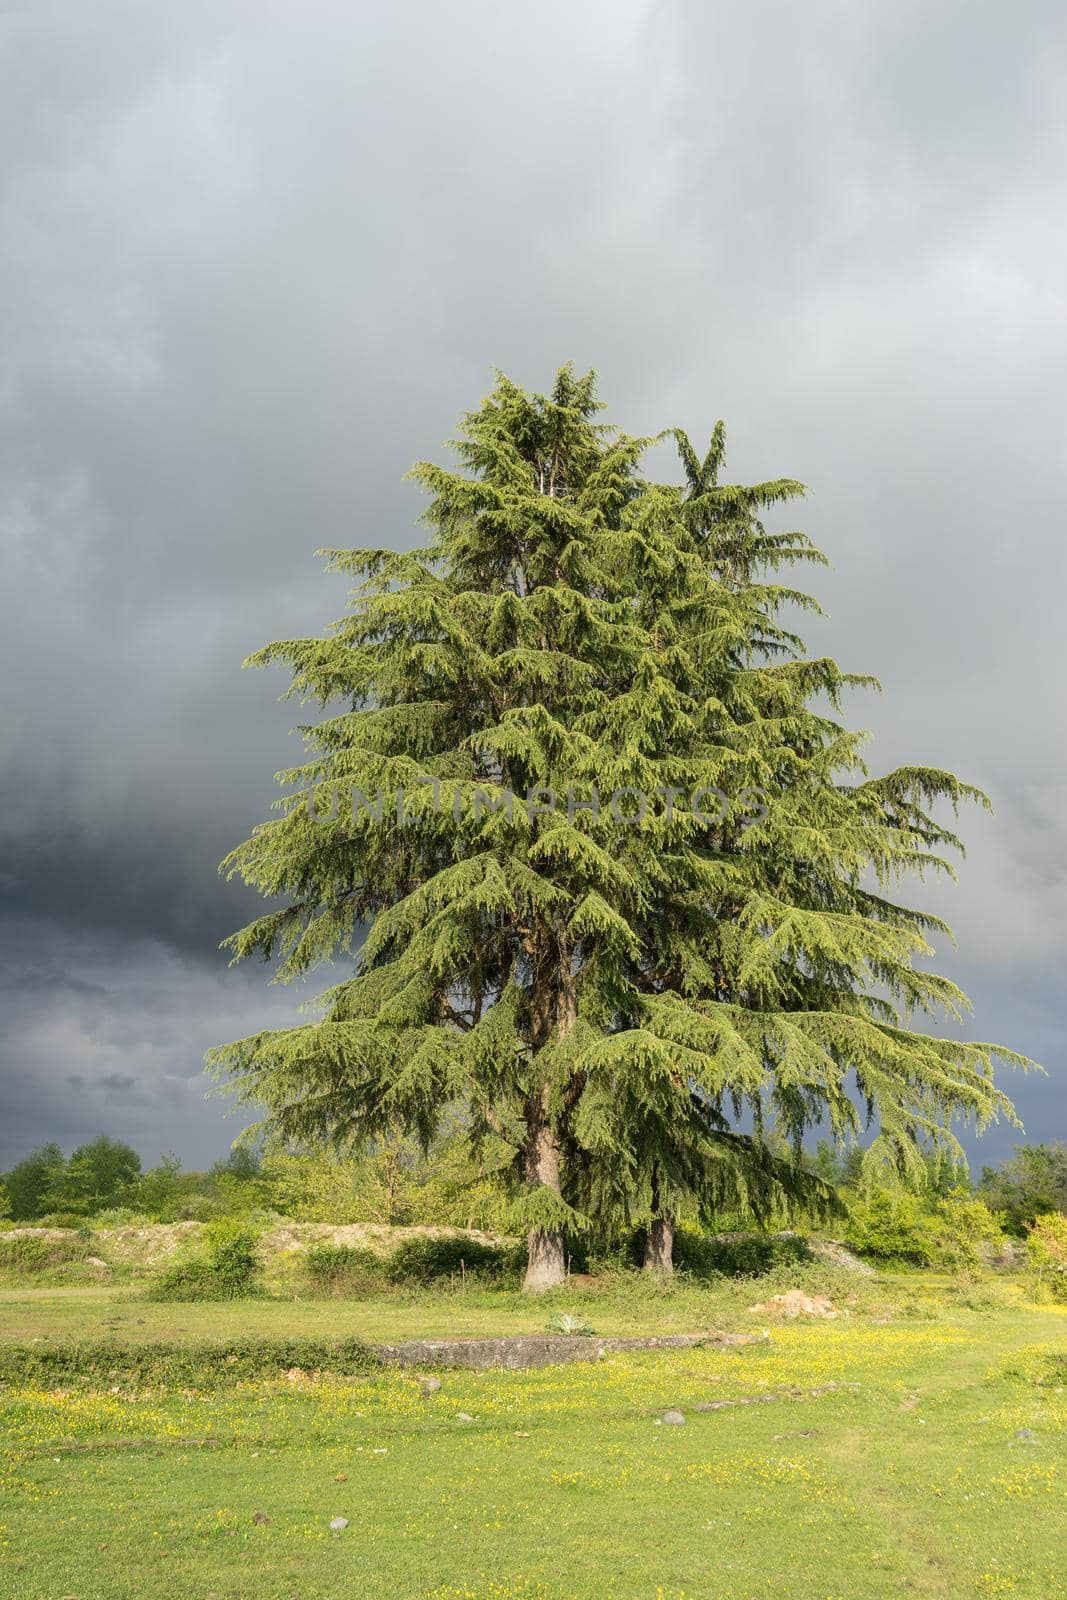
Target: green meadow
<point>914,1446</point>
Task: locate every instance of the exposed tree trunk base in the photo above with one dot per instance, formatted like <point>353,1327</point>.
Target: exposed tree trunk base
<point>556,1010</point>
<point>547,1266</point>
<point>659,1246</point>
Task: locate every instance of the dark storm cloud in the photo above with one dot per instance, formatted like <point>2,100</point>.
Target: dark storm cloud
<point>256,260</point>
<point>116,1040</point>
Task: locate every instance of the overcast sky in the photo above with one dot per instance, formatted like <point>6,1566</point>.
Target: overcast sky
<point>256,258</point>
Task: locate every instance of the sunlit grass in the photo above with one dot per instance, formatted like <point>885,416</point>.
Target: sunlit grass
<point>861,1459</point>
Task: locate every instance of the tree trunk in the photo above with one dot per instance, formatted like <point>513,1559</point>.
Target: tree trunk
<point>546,1264</point>
<point>659,1241</point>
<point>659,1245</point>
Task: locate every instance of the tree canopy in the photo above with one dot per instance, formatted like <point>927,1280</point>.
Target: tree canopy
<point>608,869</point>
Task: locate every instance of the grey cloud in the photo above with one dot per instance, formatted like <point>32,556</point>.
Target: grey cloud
<point>258,258</point>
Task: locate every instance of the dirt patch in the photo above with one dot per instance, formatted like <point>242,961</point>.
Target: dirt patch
<point>837,1254</point>
<point>151,1244</point>
<point>285,1237</point>
<point>146,1244</point>
<point>795,1303</point>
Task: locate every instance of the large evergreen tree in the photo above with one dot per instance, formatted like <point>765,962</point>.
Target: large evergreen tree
<point>609,989</point>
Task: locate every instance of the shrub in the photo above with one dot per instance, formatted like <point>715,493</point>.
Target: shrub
<point>419,1261</point>
<point>344,1269</point>
<point>198,1362</point>
<point>569,1324</point>
<point>1046,1249</point>
<point>190,1279</point>
<point>979,1293</point>
<point>962,1231</point>
<point>232,1255</point>
<point>889,1225</point>
<point>425,1260</point>
<point>748,1256</point>
<point>27,1253</point>
<point>195,1208</point>
<point>74,1220</point>
<point>231,1269</point>
<point>894,1225</point>
<point>743,1255</point>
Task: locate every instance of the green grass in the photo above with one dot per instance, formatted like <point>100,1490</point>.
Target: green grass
<point>626,1304</point>
<point>909,1477</point>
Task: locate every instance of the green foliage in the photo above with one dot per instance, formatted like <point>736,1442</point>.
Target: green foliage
<point>65,1219</point>
<point>962,1230</point>
<point>742,1255</point>
<point>230,1268</point>
<point>232,1255</point>
<point>1046,1250</point>
<point>706,1257</point>
<point>747,1256</point>
<point>35,1253</point>
<point>391,1179</point>
<point>421,1260</point>
<point>903,1227</point>
<point>425,1259</point>
<point>98,1174</point>
<point>238,1185</point>
<point>32,1182</point>
<point>604,1001</point>
<point>192,1363</point>
<point>120,1217</point>
<point>189,1278</point>
<point>1029,1185</point>
<point>569,1324</point>
<point>344,1269</point>
<point>243,1164</point>
<point>889,1224</point>
<point>158,1191</point>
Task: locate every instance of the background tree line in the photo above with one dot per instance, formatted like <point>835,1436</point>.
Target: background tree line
<point>394,1181</point>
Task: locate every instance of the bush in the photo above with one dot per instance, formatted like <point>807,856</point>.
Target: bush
<point>121,1217</point>
<point>74,1220</point>
<point>888,1224</point>
<point>748,1256</point>
<point>421,1261</point>
<point>962,1231</point>
<point>344,1269</point>
<point>232,1256</point>
<point>426,1260</point>
<point>743,1255</point>
<point>893,1225</point>
<point>26,1253</point>
<point>191,1279</point>
<point>231,1269</point>
<point>200,1363</point>
<point>1046,1249</point>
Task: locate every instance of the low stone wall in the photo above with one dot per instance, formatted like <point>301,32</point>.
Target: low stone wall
<point>540,1350</point>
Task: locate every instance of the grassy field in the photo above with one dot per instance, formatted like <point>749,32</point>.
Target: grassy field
<point>623,1307</point>
<point>933,1466</point>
